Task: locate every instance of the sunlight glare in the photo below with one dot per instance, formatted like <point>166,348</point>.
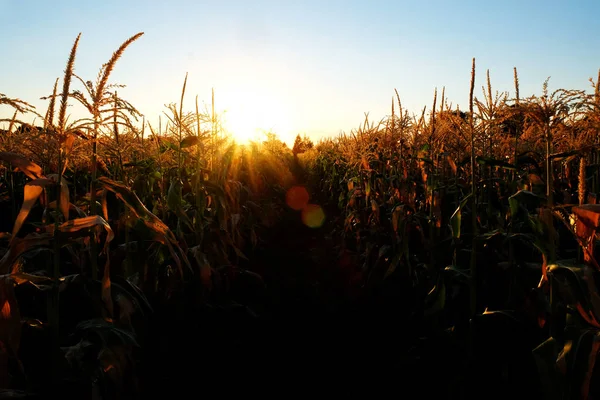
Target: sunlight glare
<point>251,114</point>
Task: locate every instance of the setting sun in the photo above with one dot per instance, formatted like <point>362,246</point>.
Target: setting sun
<point>248,115</point>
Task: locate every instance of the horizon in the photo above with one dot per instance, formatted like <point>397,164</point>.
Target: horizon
<point>311,69</point>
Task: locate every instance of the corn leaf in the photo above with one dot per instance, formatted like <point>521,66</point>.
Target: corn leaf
<point>96,221</point>
<point>19,246</point>
<point>10,320</point>
<point>31,192</point>
<point>29,168</point>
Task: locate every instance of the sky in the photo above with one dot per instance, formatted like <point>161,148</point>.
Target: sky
<point>299,67</point>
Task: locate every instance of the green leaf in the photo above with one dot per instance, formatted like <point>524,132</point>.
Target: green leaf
<point>107,332</point>
<point>525,198</point>
<point>153,225</point>
<point>174,195</point>
<point>456,218</point>
<point>393,265</point>
<point>189,141</point>
<point>436,298</point>
<point>166,146</point>
<point>545,356</point>
<point>459,272</point>
<point>492,162</point>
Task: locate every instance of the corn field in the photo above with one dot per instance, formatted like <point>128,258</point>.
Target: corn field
<point>450,253</point>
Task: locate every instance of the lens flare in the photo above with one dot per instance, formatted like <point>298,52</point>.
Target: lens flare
<point>297,198</point>
<point>313,216</point>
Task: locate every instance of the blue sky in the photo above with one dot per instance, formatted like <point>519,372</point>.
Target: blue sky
<point>311,67</point>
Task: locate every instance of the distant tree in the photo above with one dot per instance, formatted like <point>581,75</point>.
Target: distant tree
<point>275,145</point>
<point>302,144</point>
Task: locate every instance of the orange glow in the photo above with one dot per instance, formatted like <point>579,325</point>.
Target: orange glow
<point>297,198</point>
<point>5,312</point>
<point>313,216</point>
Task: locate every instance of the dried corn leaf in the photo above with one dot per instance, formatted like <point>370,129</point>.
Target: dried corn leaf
<point>66,148</point>
<point>94,221</point>
<point>452,165</point>
<point>29,168</point>
<point>31,192</point>
<point>64,195</point>
<point>23,277</point>
<point>104,203</point>
<point>10,319</point>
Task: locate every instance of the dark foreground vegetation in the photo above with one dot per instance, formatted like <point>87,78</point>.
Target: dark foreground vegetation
<point>447,255</point>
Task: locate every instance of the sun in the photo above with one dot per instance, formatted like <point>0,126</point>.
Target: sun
<point>249,115</point>
<point>243,124</point>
